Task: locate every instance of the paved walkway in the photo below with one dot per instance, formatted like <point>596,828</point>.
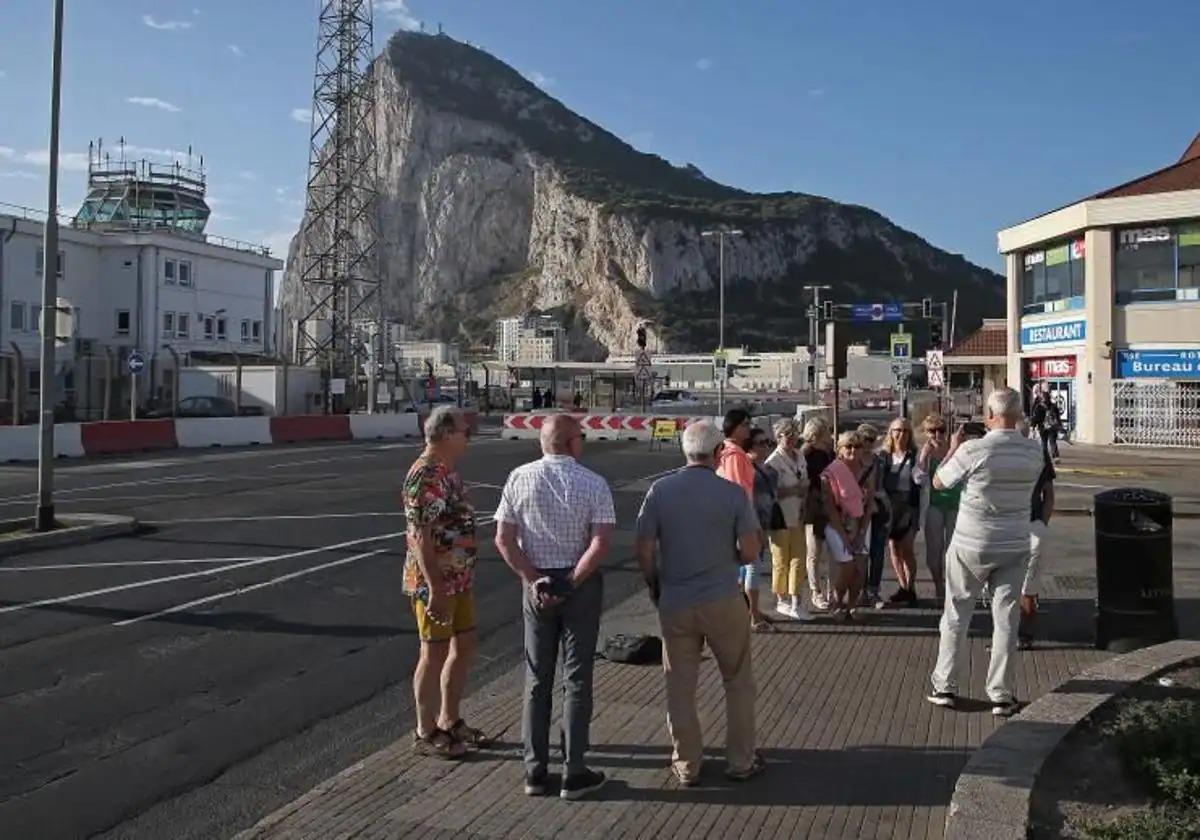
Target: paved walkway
<point>854,749</point>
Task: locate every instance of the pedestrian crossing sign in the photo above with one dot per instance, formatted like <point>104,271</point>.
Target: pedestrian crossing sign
<point>902,345</point>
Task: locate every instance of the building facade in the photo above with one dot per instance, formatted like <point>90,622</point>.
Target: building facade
<point>1104,309</point>
<point>531,339</point>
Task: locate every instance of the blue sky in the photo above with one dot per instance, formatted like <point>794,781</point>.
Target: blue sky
<point>953,119</point>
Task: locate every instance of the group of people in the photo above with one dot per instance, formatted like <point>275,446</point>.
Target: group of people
<point>803,510</point>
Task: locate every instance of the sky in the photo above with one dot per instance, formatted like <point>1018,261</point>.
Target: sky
<point>953,119</point>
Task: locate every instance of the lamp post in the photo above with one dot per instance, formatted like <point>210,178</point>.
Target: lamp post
<point>44,517</point>
<point>813,317</point>
<point>721,234</point>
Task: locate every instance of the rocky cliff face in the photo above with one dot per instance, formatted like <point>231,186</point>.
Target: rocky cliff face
<point>495,199</point>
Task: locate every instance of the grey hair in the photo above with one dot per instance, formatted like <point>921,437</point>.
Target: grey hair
<point>787,426</point>
<point>815,428</point>
<point>700,440</point>
<point>441,423</point>
<point>1006,403</point>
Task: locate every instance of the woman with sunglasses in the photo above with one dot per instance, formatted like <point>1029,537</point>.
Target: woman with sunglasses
<point>904,497</point>
<point>848,509</point>
<point>942,512</point>
<point>789,548</point>
<point>766,499</point>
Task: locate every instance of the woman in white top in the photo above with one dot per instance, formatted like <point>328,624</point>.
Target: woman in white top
<point>901,481</point>
<point>788,543</point>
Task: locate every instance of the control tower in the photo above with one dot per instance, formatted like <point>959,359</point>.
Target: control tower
<point>137,195</point>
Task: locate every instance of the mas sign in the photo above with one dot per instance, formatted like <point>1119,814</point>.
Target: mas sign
<point>1158,364</point>
<point>1063,332</point>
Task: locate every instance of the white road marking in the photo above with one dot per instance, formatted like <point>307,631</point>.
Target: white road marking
<point>281,517</point>
<point>56,567</point>
<point>321,461</point>
<point>242,590</point>
<point>485,486</point>
<point>78,596</point>
<point>1080,486</point>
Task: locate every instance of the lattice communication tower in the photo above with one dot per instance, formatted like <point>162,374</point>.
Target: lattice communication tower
<point>340,303</point>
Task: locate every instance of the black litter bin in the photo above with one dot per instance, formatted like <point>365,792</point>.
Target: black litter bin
<point>1135,598</point>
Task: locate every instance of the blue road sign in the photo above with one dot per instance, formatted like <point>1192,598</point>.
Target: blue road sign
<point>877,312</point>
<point>137,362</point>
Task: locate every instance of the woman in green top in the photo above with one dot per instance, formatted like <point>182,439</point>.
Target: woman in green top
<point>942,512</point>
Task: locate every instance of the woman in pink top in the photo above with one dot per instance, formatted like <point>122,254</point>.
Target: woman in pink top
<point>849,512</point>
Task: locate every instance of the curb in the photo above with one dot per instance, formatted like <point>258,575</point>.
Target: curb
<point>992,796</point>
<point>82,528</point>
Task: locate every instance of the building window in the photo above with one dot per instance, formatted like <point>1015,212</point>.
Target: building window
<point>16,318</point>
<point>35,382</point>
<point>182,325</point>
<point>209,324</point>
<point>245,330</point>
<point>1053,279</point>
<point>169,270</point>
<point>221,329</point>
<point>185,273</point>
<point>122,322</point>
<point>35,318</point>
<point>39,260</point>
<point>1160,263</point>
<point>168,324</point>
<point>256,333</point>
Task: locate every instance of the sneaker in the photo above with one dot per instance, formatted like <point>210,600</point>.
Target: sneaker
<point>801,614</point>
<point>684,779</point>
<point>945,699</point>
<point>581,784</point>
<point>785,609</point>
<point>1006,709</point>
<point>535,783</point>
<point>820,602</point>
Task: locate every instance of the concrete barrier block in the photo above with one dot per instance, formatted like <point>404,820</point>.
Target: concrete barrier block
<point>383,426</point>
<point>310,427</point>
<point>222,431</point>
<point>123,436</point>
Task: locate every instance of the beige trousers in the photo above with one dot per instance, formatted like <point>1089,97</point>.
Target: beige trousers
<point>788,555</point>
<point>725,626</point>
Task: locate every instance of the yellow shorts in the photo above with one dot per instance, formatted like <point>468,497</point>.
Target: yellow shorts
<point>461,618</point>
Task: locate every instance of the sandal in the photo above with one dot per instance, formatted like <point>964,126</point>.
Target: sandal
<point>763,627</point>
<point>468,735</point>
<point>439,744</point>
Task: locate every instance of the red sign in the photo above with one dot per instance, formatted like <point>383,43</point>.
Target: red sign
<point>1056,367</point>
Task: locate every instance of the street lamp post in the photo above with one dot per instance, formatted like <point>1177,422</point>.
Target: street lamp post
<point>44,518</point>
<point>813,331</point>
<point>721,234</point>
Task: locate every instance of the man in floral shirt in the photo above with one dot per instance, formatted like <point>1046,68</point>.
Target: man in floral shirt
<point>439,571</point>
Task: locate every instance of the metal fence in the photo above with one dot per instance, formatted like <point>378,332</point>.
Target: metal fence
<point>1156,413</point>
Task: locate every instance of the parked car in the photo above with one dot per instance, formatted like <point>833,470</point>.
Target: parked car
<point>207,407</point>
<point>669,398</point>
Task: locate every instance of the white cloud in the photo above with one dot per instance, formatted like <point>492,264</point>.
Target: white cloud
<point>153,102</point>
<point>540,79</point>
<point>247,175</point>
<point>399,12</point>
<point>222,217</point>
<point>19,173</point>
<point>154,23</point>
<point>704,64</point>
<point>7,152</point>
<point>281,191</point>
<point>68,161</point>
<point>150,152</point>
<point>236,50</point>
<point>301,115</point>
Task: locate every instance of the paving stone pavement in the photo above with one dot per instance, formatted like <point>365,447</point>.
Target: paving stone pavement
<point>853,748</point>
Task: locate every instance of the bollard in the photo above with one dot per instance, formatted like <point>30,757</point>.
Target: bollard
<point>1135,604</point>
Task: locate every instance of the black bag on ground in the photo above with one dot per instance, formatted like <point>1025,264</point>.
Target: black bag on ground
<point>632,650</point>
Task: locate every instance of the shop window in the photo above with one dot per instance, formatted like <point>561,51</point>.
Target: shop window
<point>1189,263</point>
<point>1052,280</point>
<point>1159,263</point>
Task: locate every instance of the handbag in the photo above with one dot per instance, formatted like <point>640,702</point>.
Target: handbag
<point>632,650</point>
<point>778,523</point>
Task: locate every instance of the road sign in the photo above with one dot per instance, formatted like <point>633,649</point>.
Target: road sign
<point>643,375</point>
<point>877,312</point>
<point>935,368</point>
<point>137,362</point>
<point>902,367</point>
<point>337,387</point>
<point>902,346</point>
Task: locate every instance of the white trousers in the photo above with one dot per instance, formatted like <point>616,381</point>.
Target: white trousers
<point>966,574</point>
<point>1033,572</point>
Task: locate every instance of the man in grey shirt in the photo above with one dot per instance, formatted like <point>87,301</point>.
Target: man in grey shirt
<point>704,528</point>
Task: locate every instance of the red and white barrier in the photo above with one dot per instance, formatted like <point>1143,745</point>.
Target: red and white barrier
<point>383,426</point>
<point>527,426</point>
<point>223,431</point>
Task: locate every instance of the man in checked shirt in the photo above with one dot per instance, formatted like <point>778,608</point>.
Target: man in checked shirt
<point>554,524</point>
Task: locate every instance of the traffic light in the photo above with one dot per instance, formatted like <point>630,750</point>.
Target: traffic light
<point>827,311</point>
<point>935,335</point>
<point>927,308</point>
<point>641,337</point>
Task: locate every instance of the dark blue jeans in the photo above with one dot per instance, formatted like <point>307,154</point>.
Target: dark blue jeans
<point>572,626</point>
<point>879,534</point>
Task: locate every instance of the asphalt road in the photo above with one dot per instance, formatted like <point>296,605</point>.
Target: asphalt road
<point>252,642</point>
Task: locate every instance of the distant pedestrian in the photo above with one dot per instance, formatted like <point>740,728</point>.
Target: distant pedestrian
<point>847,507</point>
<point>733,464</point>
<point>787,543</point>
<point>818,454</point>
<point>536,399</point>
<point>703,528</point>
<point>990,547</point>
<point>1041,509</point>
<point>439,572</point>
<point>766,503</point>
<point>942,510</point>
<point>577,401</point>
<point>904,501</point>
<point>1046,420</point>
<point>554,527</point>
<point>881,516</point>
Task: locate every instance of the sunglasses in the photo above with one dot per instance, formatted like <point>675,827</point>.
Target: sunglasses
<point>938,430</point>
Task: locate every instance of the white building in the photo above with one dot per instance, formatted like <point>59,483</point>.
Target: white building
<point>412,356</point>
<point>532,339</point>
<point>148,280</point>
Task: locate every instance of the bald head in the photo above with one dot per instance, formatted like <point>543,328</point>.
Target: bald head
<point>559,433</point>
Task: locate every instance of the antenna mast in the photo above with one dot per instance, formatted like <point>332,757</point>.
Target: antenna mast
<point>338,278</point>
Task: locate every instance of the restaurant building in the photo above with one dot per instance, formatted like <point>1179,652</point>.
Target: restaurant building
<point>1104,309</point>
